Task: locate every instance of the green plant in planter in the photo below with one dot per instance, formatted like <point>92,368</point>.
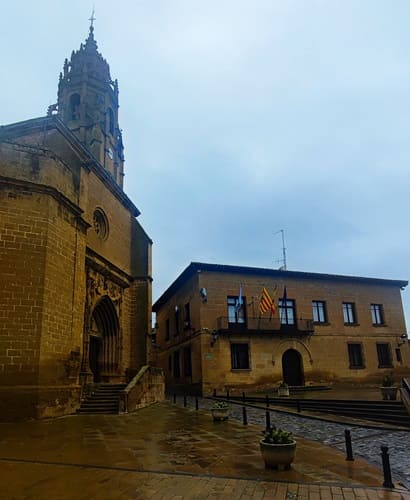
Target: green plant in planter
<point>388,389</point>
<point>388,380</point>
<point>277,448</point>
<point>277,436</point>
<point>220,405</point>
<point>220,410</point>
<point>283,389</point>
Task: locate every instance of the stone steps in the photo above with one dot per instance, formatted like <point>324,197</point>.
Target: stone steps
<point>388,412</point>
<point>104,399</point>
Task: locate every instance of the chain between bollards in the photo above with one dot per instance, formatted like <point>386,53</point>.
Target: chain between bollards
<point>388,483</point>
<point>349,450</point>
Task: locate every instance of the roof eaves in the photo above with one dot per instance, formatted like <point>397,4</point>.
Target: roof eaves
<point>195,267</point>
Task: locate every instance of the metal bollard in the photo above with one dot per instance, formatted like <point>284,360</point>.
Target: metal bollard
<point>267,400</point>
<point>243,397</point>
<point>227,394</point>
<point>388,483</point>
<point>349,450</point>
<point>214,394</point>
<point>196,403</point>
<point>175,398</point>
<point>267,420</point>
<point>184,400</point>
<point>244,416</point>
<point>298,406</point>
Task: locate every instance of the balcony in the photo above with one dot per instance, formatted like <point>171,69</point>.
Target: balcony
<point>301,326</point>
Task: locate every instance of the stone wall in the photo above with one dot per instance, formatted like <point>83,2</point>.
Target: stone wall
<point>146,388</point>
<point>49,192</point>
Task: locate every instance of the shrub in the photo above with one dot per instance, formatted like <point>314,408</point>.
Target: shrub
<point>277,436</point>
<point>220,405</point>
<point>388,380</point>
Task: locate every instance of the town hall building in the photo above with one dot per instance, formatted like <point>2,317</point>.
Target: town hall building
<point>237,328</point>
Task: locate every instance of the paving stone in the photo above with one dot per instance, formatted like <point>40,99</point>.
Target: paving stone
<point>169,452</point>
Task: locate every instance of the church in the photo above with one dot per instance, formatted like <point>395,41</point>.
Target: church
<point>75,264</point>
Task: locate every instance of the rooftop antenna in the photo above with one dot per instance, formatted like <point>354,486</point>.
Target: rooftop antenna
<point>284,266</point>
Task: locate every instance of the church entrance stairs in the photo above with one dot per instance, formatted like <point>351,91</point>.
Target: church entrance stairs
<point>103,399</point>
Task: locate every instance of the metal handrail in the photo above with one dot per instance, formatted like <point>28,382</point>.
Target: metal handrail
<point>265,324</point>
<point>406,385</point>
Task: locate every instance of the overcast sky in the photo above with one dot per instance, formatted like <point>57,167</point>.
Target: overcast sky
<point>241,118</point>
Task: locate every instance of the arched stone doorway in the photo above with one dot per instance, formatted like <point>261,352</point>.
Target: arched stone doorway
<point>292,368</point>
<point>94,357</point>
<point>104,341</point>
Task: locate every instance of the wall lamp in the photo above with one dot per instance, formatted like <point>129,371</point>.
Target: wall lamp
<point>403,339</point>
<point>204,294</point>
<point>215,336</point>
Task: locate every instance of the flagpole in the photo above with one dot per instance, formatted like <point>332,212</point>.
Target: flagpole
<point>284,267</point>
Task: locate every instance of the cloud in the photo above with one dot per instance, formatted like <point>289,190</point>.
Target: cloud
<point>241,118</point>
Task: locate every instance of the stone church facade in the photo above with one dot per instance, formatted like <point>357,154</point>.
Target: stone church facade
<point>75,264</point>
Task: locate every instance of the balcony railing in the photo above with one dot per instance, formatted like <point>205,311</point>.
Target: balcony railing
<point>255,324</point>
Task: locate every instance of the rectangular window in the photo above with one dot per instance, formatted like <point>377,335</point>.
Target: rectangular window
<point>236,311</point>
<point>167,329</point>
<point>287,312</point>
<point>349,313</point>
<point>355,355</point>
<point>177,371</point>
<point>384,355</point>
<point>240,356</point>
<point>187,362</point>
<point>187,316</point>
<point>377,314</point>
<point>319,311</point>
<point>176,320</point>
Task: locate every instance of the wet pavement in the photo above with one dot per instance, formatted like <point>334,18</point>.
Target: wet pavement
<point>367,437</point>
<point>167,451</point>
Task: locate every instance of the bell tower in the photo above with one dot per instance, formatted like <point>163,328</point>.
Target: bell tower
<point>88,104</point>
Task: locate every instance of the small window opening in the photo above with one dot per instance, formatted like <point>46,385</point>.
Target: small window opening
<point>75,101</point>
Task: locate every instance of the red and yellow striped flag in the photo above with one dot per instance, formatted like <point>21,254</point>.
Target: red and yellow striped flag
<point>266,303</point>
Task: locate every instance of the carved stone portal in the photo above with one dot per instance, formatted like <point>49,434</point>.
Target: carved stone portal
<point>102,333</point>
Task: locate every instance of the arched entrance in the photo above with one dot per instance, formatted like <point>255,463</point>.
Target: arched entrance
<point>292,368</point>
<point>94,355</point>
<point>104,344</point>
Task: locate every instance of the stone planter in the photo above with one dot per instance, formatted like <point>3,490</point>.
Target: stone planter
<point>389,393</point>
<point>278,456</point>
<point>283,391</point>
<point>219,414</point>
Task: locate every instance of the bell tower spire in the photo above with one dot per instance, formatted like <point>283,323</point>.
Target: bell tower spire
<point>88,105</point>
